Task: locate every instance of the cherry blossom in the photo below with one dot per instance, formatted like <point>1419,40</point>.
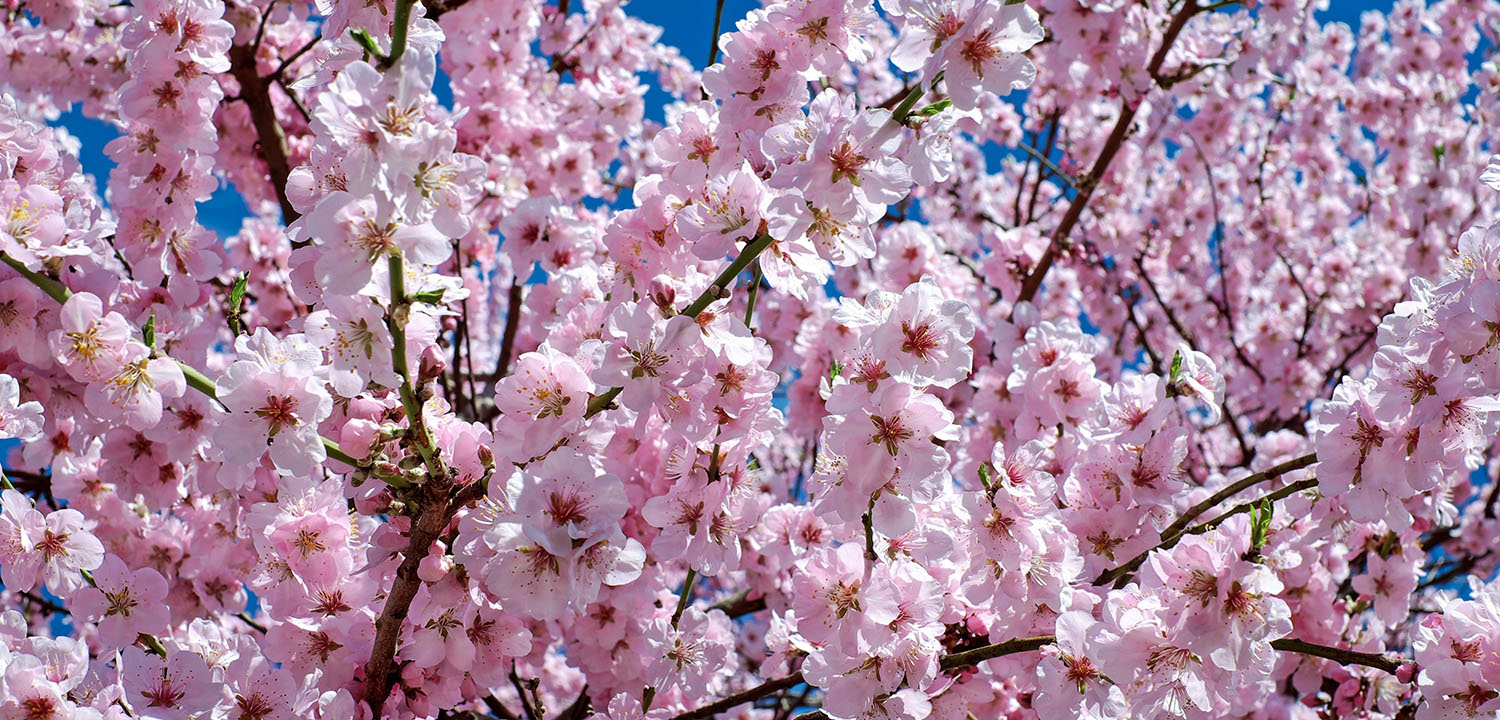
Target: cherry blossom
<point>911,358</point>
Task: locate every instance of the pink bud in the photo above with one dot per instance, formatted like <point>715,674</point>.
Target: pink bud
<point>432,365</point>
<point>432,568</point>
<point>663,294</point>
<point>486,456</point>
<point>357,436</point>
<point>1405,671</point>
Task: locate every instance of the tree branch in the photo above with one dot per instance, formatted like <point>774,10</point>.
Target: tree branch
<point>1118,574</point>
<point>256,93</point>
<point>1270,473</point>
<point>1378,661</point>
<point>1112,145</point>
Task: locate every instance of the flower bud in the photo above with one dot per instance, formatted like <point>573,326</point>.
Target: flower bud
<point>486,457</point>
<point>358,436</point>
<point>431,366</point>
<point>1406,671</point>
<point>663,295</point>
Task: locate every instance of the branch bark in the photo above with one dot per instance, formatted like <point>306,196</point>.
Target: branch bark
<point>1118,574</point>
<point>1338,655</point>
<point>1112,145</point>
<point>432,518</point>
<point>256,92</point>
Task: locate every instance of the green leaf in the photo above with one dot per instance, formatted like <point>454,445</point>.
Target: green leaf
<point>365,41</point>
<point>237,293</point>
<point>431,297</point>
<point>935,108</point>
<point>1175,374</point>
<point>149,331</point>
<point>1260,523</point>
<point>236,303</point>
<point>987,477</point>
<point>835,370</point>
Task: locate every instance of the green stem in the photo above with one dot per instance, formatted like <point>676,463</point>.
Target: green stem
<point>682,597</point>
<point>755,276</point>
<point>152,643</point>
<point>334,451</point>
<point>723,281</point>
<point>200,382</point>
<point>720,283</point>
<point>57,290</point>
<point>396,322</point>
<point>398,34</point>
<point>910,101</point>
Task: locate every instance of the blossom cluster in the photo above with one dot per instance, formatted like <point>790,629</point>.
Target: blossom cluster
<point>853,383</point>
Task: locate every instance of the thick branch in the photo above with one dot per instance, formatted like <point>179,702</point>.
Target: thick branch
<point>432,518</point>
<point>990,652</point>
<point>256,92</point>
<point>512,325</point>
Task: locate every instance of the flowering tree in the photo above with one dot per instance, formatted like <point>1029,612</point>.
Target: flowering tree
<point>934,358</point>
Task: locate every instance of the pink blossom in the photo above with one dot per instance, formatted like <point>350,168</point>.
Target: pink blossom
<point>124,602</point>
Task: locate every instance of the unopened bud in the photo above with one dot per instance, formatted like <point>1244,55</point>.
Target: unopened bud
<point>663,295</point>
<point>1405,671</point>
<point>486,457</point>
<point>431,366</point>
<point>358,436</point>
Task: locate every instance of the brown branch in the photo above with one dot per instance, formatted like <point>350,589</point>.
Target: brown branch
<point>1378,661</point>
<point>1119,574</point>
<point>1270,473</point>
<point>713,48</point>
<point>256,93</point>
<point>44,603</point>
<point>531,705</point>
<point>990,652</point>
<point>433,515</point>
<point>966,658</point>
<point>497,709</point>
<point>949,662</point>
<point>288,60</point>
<point>436,8</point>
<point>1112,145</point>
<point>512,325</point>
<point>770,687</point>
<point>580,707</point>
<point>740,604</point>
